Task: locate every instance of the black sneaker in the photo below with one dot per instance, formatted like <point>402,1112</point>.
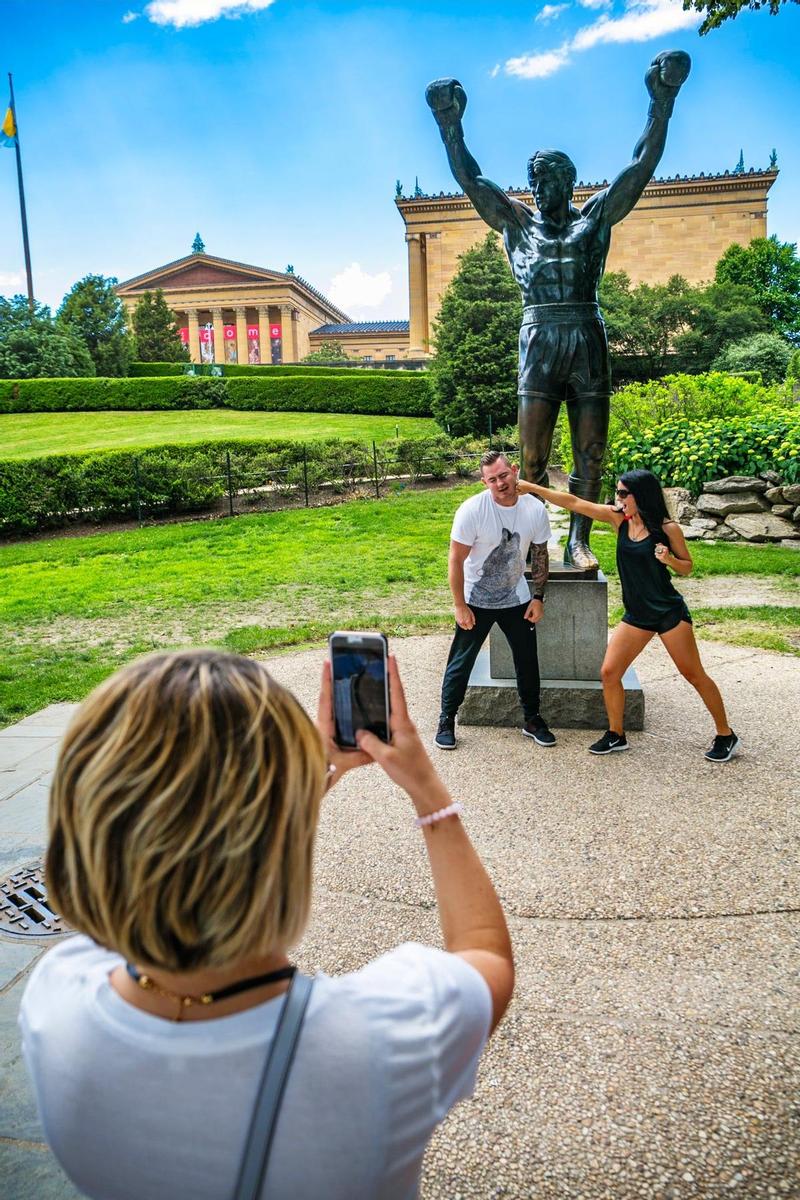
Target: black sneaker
<point>609,742</point>
<point>723,747</point>
<point>446,733</point>
<point>538,730</point>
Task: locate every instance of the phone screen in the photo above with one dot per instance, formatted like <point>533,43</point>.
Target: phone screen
<point>359,692</point>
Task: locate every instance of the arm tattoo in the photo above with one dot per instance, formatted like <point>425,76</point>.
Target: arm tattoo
<point>540,565</point>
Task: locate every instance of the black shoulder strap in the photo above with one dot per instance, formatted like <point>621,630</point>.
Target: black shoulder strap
<point>268,1101</point>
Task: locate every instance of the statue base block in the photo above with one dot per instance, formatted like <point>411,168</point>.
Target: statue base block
<point>565,704</point>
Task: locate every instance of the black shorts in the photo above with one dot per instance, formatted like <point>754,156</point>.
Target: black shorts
<point>564,359</point>
<point>670,621</point>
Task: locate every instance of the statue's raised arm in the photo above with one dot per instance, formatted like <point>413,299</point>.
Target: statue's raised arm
<point>447,100</point>
<point>664,79</point>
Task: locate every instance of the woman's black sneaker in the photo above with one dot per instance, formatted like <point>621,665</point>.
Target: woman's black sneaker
<point>723,747</point>
<point>537,729</point>
<point>609,742</point>
<point>446,733</point>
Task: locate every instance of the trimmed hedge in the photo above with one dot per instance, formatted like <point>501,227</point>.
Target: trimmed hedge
<point>142,369</point>
<point>685,454</point>
<point>50,492</point>
<point>387,394</point>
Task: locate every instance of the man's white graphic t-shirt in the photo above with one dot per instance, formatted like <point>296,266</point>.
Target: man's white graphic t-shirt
<point>499,537</point>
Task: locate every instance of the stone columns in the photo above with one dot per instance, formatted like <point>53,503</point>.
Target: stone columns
<point>241,335</point>
<point>417,295</point>
<point>288,339</point>
<point>264,341</point>
<point>219,335</point>
<point>194,335</point>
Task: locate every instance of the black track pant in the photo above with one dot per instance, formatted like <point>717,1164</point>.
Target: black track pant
<point>521,637</point>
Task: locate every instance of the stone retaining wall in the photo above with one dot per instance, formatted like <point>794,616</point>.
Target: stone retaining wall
<point>740,508</point>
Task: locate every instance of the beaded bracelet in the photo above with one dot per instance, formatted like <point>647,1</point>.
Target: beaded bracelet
<point>452,810</point>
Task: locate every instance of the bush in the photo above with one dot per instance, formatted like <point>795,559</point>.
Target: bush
<point>693,397</point>
<point>687,454</point>
<point>767,353</point>
<point>50,492</point>
<point>140,369</point>
<point>389,395</point>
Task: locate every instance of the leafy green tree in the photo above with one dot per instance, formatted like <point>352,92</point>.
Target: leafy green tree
<point>772,270</point>
<point>719,314</point>
<point>718,11</point>
<point>329,352</point>
<point>94,312</point>
<point>767,353</point>
<point>32,345</point>
<point>643,321</point>
<point>474,371</point>
<point>155,329</point>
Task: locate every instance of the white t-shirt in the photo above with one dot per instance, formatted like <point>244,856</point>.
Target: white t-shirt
<point>139,1108</point>
<point>494,570</point>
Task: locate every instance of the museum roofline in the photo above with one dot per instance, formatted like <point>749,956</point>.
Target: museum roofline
<point>737,178</point>
<point>231,262</point>
<point>365,327</point>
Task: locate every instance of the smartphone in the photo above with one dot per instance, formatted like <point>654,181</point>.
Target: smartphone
<point>360,686</point>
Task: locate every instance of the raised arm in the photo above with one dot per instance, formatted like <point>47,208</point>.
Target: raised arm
<point>597,512</point>
<point>666,74</point>
<point>447,100</point>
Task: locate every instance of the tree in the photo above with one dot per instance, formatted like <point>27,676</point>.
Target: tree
<point>718,11</point>
<point>328,352</point>
<point>772,270</point>
<point>474,372</point>
<point>156,331</point>
<point>643,321</point>
<point>94,312</point>
<point>767,353</point>
<point>719,313</point>
<point>32,345</point>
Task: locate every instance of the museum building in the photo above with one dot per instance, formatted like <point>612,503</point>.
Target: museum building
<point>238,313</point>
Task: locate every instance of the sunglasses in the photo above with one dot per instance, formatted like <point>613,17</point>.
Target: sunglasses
<point>622,493</point>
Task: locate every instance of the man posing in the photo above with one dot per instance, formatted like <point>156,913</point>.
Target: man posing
<point>489,545</point>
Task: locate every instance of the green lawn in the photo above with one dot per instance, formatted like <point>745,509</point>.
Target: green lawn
<point>31,435</point>
<point>72,609</point>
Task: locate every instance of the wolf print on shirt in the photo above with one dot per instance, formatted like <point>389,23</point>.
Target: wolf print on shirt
<point>497,587</point>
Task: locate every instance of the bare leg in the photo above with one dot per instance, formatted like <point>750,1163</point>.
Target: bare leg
<point>588,423</point>
<point>682,648</point>
<point>537,421</point>
<point>627,643</point>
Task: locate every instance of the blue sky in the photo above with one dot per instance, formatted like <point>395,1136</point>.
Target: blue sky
<point>277,128</point>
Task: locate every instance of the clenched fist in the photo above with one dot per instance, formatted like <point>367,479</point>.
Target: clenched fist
<point>667,72</point>
<point>447,100</point>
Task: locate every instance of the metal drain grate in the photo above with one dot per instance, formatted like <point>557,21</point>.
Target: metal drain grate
<point>24,910</point>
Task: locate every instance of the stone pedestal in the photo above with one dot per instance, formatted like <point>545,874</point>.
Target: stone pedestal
<point>572,638</point>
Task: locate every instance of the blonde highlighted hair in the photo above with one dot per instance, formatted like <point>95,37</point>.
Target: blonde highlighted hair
<point>183,812</point>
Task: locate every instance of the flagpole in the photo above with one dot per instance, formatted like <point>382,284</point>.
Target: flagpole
<point>25,244</point>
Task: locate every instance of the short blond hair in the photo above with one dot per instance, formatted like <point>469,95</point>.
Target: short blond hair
<point>183,812</point>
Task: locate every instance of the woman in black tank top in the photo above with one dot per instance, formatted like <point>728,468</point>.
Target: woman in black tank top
<point>648,543</point>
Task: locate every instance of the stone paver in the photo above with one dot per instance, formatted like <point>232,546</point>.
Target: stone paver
<point>651,1049</point>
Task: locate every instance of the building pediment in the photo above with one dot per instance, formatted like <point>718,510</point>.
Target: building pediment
<point>200,271</point>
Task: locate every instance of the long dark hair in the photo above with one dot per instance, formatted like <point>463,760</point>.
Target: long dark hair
<point>645,487</point>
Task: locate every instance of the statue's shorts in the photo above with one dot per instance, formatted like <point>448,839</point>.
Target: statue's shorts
<point>563,352</point>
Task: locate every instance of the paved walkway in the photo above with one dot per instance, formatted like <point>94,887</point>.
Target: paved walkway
<point>651,1049</point>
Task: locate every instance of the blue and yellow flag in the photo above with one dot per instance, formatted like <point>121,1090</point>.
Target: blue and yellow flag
<point>8,130</point>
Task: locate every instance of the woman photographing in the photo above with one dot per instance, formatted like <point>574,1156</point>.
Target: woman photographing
<point>183,816</point>
<point>648,543</point>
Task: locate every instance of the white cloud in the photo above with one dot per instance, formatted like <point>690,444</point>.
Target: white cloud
<point>551,11</point>
<point>645,19</point>
<point>183,13</point>
<point>354,288</point>
<point>495,71</point>
<point>642,21</point>
<point>10,279</point>
<point>538,66</point>
<point>130,16</point>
